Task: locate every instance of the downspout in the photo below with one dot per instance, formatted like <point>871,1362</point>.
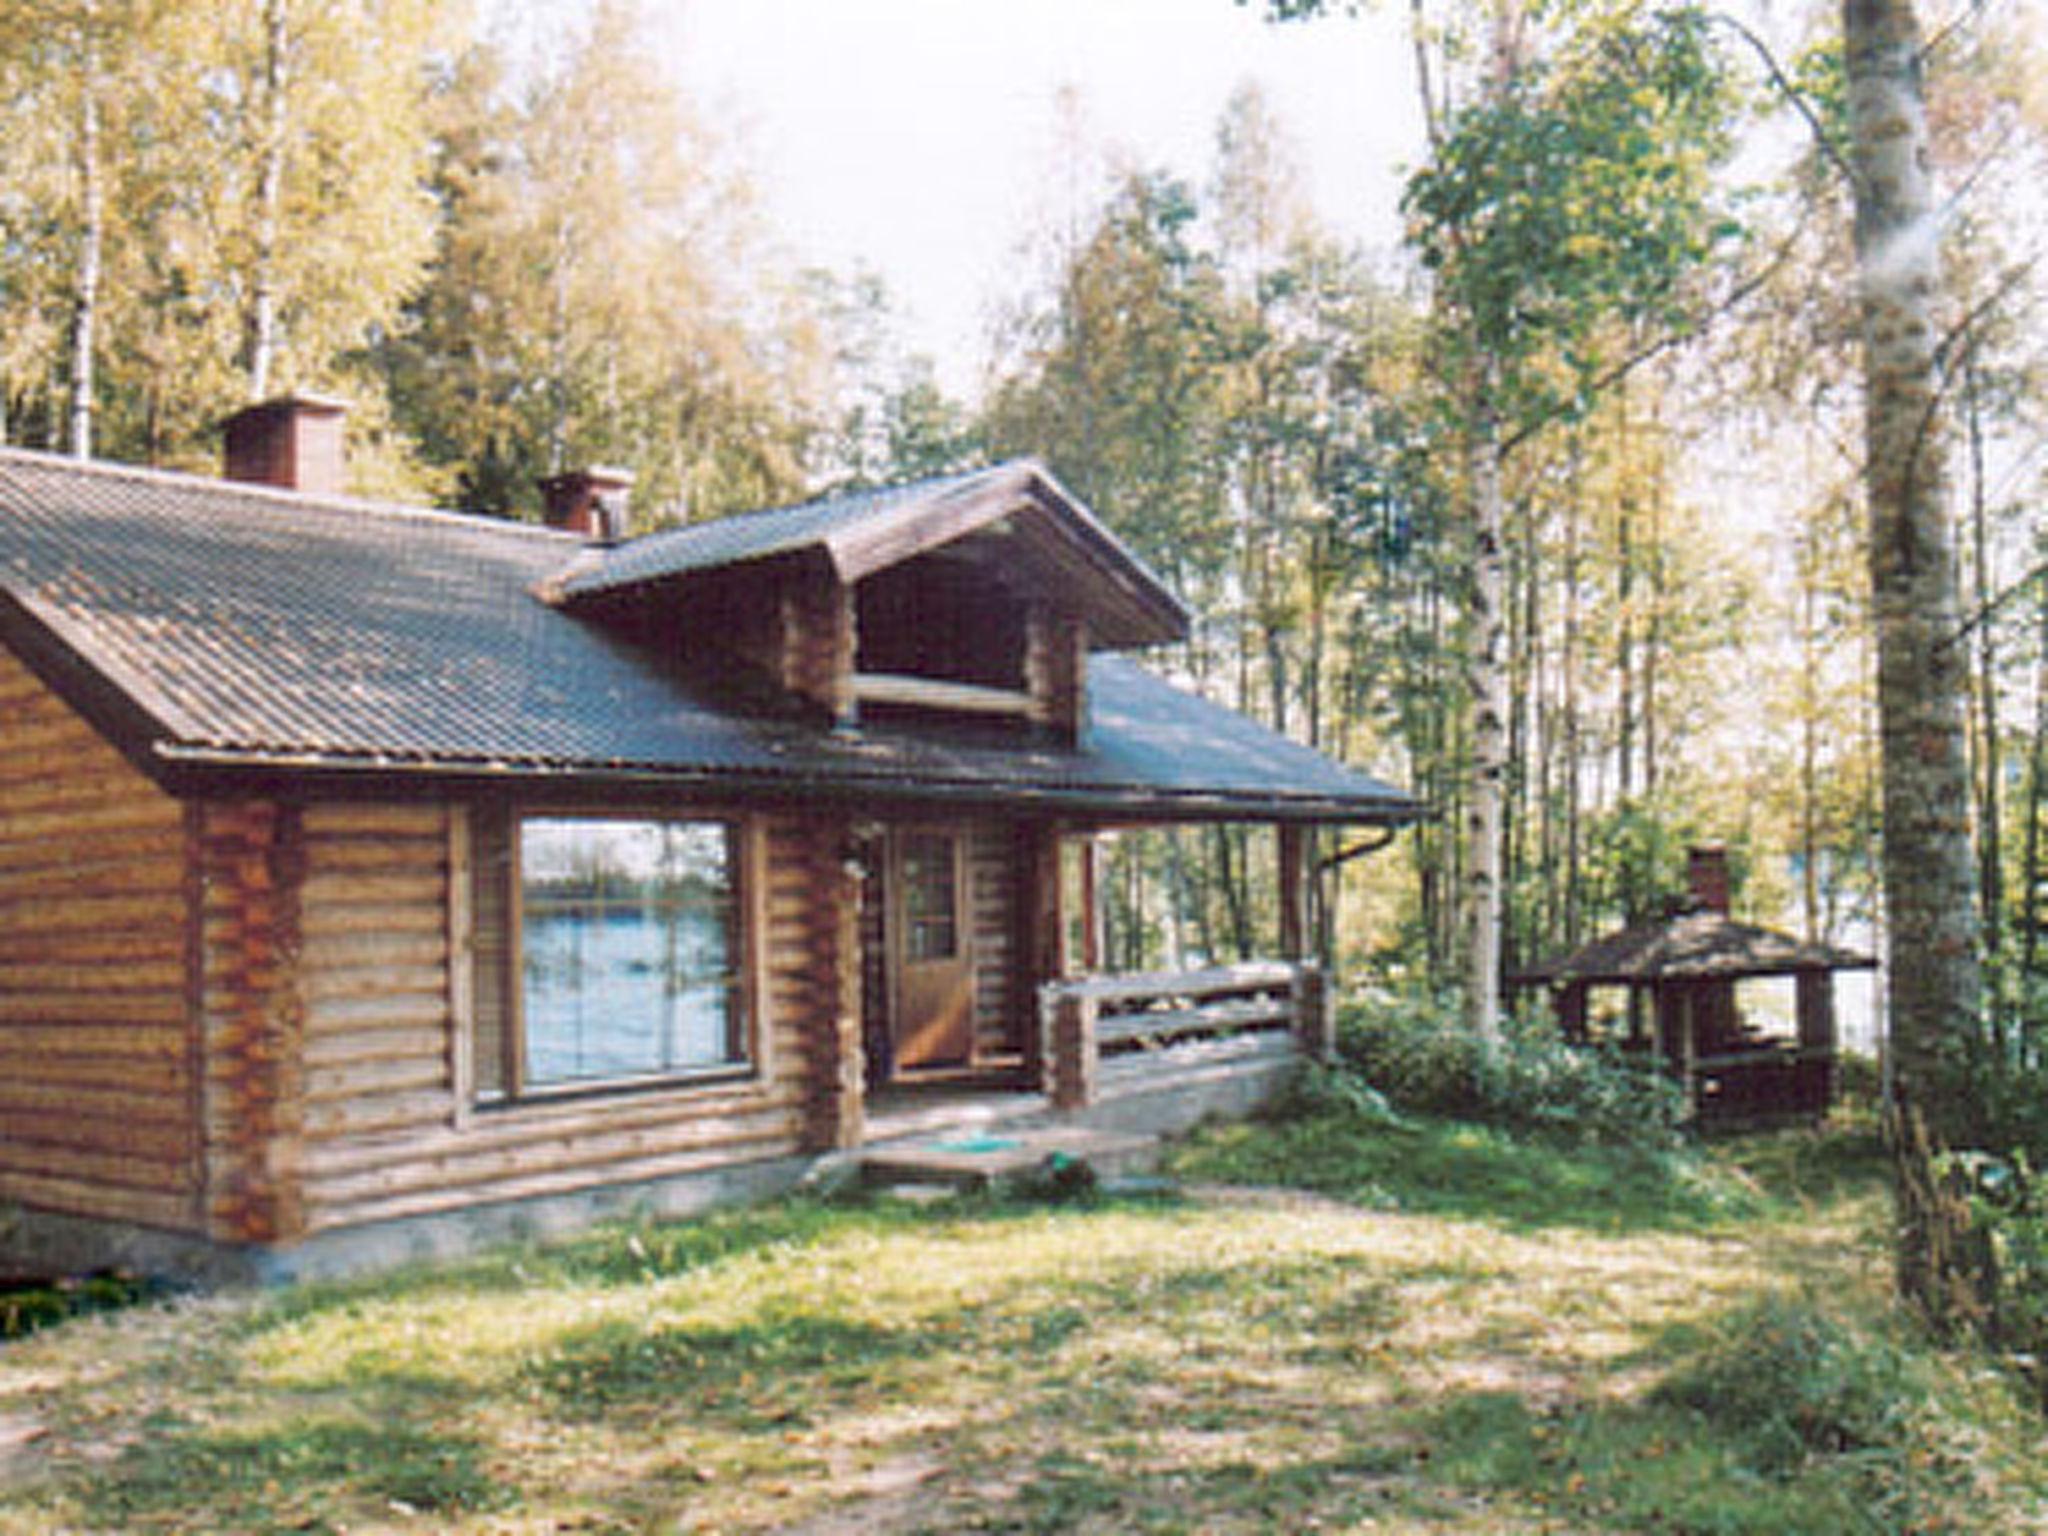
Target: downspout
<point>1325,869</point>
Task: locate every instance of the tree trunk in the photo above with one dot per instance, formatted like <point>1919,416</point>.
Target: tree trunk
<point>1574,625</point>
<point>1934,980</point>
<point>1809,741</point>
<point>1486,684</point>
<point>91,232</point>
<point>1990,756</point>
<point>2035,876</point>
<point>269,197</point>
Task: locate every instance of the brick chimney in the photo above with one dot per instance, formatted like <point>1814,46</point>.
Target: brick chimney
<point>1706,873</point>
<point>589,501</point>
<point>293,442</point>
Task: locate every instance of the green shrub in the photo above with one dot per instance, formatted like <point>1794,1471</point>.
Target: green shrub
<point>1414,1049</point>
<point>2009,1212</point>
<point>1792,1381</point>
<point>26,1308</point>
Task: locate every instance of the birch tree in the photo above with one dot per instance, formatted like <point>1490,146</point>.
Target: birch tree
<point>66,68</point>
<point>600,293</point>
<point>1564,215</point>
<point>1934,976</point>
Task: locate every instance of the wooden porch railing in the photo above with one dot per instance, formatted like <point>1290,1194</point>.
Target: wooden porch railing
<point>1085,1019</point>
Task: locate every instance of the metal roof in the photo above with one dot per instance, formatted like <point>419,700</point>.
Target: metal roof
<point>750,536</point>
<point>1698,945</point>
<point>232,628</point>
<point>861,532</point>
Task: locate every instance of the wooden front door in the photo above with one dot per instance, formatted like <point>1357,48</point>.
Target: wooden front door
<point>930,945</point>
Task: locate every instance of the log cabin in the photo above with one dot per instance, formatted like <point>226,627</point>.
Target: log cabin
<point>376,882</point>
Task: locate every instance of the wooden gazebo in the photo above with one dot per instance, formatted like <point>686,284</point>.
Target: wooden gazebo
<point>1680,973</point>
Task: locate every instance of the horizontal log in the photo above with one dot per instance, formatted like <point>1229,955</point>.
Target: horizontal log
<point>1764,1056</point>
<point>53,739</point>
<point>353,817</point>
<point>93,947</point>
<point>157,1105</point>
<point>1257,974</point>
<point>1210,1018</point>
<point>500,1141</point>
<point>330,1210</point>
<point>61,973</point>
<point>149,872</point>
<point>331,921</point>
<point>353,889</point>
<point>28,787</point>
<point>322,950</point>
<point>527,1172</point>
<point>158,879</point>
<point>146,1159</point>
<point>92,1008</point>
<point>139,1042</point>
<point>953,697</point>
<point>242,1130</point>
<point>338,1015</point>
<point>33,733</point>
<point>344,1048</point>
<point>369,1076</point>
<point>85,850</point>
<point>165,1073</point>
<point>173,1211</point>
<point>94,913</point>
<point>797,904</point>
<point>333,1120</point>
<point>19,687</point>
<point>39,826</point>
<point>406,982</point>
<point>385,855</point>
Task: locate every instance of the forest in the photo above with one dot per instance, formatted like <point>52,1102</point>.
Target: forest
<point>1612,512</point>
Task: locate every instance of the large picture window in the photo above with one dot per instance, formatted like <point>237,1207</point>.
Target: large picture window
<point>626,955</point>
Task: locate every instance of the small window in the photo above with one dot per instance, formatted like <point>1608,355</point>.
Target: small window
<point>931,929</point>
<point>936,620</point>
<point>625,963</point>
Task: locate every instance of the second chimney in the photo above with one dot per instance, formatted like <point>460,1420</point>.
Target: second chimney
<point>293,442</point>
<point>589,501</point>
<point>1707,875</point>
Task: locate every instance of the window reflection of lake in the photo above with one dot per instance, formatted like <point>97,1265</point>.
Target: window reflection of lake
<point>624,991</point>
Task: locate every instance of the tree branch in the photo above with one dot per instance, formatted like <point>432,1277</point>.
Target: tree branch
<point>1823,140</point>
<point>1658,345</point>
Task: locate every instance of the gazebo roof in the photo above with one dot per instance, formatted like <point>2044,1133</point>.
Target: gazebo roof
<point>1695,945</point>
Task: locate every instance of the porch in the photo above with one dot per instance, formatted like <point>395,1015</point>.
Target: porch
<point>1124,1061</point>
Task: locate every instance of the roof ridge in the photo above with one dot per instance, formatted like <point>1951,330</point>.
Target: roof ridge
<point>277,496</point>
<point>844,494</point>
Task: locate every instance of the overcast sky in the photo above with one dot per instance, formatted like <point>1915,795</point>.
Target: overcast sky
<point>917,136</point>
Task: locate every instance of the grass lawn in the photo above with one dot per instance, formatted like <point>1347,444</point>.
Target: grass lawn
<point>1436,1328</point>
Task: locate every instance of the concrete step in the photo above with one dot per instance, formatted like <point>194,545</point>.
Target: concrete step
<point>979,1159</point>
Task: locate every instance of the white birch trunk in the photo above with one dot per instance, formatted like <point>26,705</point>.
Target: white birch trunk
<point>1486,684</point>
<point>91,234</point>
<point>269,197</point>
<point>1934,980</point>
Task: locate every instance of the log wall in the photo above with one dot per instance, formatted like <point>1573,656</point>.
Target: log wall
<point>98,1086</point>
<point>1056,673</point>
<point>993,894</point>
<point>251,861</point>
<point>387,1129</point>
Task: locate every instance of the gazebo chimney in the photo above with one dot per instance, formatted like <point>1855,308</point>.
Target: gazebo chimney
<point>1707,877</point>
<point>293,442</point>
<point>590,501</point>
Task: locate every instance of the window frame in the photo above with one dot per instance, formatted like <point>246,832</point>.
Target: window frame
<point>498,1006</point>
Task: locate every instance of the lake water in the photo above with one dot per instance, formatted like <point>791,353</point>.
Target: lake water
<point>626,993</point>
